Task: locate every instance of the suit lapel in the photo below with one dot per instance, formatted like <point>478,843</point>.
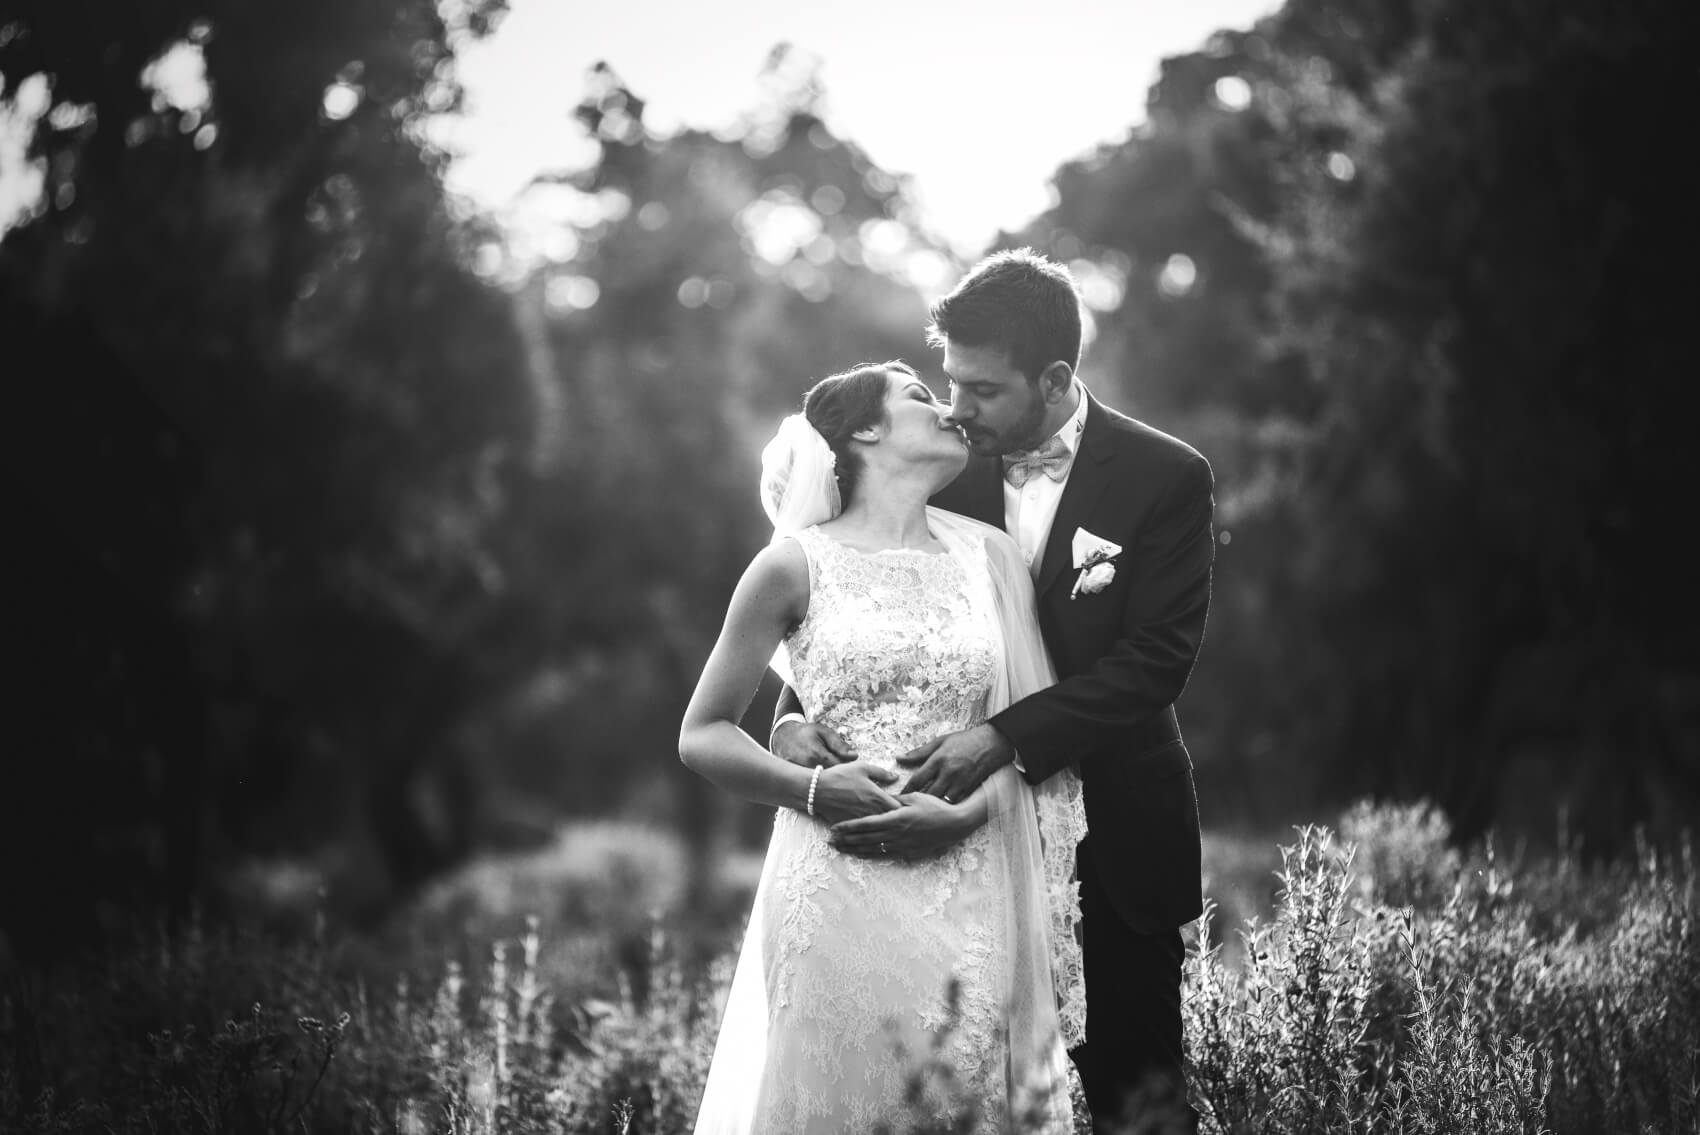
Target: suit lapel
<point>1087,480</point>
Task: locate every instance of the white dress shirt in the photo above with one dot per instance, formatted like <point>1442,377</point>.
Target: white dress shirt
<point>1029,510</point>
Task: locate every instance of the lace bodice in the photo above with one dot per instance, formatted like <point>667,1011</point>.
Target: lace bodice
<point>897,647</point>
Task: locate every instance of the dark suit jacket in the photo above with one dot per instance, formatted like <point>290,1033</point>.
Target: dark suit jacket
<point>1122,655</point>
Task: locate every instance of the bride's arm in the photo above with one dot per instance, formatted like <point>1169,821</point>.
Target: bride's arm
<point>771,598</point>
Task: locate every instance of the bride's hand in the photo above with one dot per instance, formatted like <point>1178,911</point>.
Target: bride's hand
<point>923,826</point>
<point>853,790</point>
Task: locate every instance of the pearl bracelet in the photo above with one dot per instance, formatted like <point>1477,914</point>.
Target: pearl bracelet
<point>813,780</point>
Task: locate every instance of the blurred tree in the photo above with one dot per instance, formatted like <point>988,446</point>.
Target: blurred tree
<point>455,525</point>
<point>1475,260</point>
<point>244,251</point>
<point>711,279</point>
<point>1427,327</point>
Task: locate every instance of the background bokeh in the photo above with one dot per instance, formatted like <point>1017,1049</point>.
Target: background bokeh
<point>361,558</point>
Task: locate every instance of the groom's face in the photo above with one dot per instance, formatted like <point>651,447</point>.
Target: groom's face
<point>997,408</point>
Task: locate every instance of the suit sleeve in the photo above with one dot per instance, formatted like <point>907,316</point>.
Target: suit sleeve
<point>787,702</point>
<point>1162,627</point>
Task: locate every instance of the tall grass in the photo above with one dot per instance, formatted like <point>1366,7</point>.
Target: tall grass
<point>1398,984</point>
<point>322,1049</point>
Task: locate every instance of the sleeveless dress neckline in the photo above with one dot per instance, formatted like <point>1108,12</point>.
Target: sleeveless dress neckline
<point>941,550</point>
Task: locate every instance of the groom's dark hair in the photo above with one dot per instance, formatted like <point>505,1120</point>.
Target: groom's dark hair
<point>1017,300</point>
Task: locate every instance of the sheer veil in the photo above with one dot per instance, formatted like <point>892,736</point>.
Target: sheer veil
<point>1047,821</point>
<point>799,487</point>
<point>799,480</point>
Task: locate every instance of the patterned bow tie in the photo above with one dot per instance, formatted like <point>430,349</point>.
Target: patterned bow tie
<point>1052,459</point>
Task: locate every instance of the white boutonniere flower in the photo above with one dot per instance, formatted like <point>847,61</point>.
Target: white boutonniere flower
<point>1094,558</point>
<point>1094,579</point>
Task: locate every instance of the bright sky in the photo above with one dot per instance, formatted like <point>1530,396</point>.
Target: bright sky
<point>979,101</point>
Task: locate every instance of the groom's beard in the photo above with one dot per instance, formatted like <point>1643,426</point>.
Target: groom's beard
<point>1023,434</point>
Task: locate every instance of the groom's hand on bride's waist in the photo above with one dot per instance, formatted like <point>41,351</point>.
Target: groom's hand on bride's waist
<point>952,766</point>
<point>809,744</point>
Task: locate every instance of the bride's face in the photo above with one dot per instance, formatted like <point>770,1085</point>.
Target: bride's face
<point>918,429</point>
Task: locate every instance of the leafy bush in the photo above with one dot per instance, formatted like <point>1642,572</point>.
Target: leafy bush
<point>1494,998</point>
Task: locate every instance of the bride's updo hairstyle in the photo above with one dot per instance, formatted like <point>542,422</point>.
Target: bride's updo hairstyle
<point>839,405</point>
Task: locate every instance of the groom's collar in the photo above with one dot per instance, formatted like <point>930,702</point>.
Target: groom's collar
<point>1095,432</point>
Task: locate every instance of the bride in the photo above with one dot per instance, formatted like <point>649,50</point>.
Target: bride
<point>896,623</point>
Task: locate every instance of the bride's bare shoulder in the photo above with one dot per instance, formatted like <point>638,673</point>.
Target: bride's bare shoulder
<point>779,575</point>
<point>783,557</point>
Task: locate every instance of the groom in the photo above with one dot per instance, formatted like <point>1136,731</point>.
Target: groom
<point>1114,520</point>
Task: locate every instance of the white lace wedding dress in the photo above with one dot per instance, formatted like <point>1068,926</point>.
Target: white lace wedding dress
<point>845,976</point>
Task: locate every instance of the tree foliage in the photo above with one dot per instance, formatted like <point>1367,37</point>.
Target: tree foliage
<point>363,531</point>
<point>356,536</point>
<point>1432,337</point>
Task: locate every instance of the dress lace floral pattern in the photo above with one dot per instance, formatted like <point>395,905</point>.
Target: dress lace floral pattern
<point>860,956</point>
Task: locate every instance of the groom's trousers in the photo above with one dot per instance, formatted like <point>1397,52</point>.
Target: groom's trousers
<point>1133,1046</point>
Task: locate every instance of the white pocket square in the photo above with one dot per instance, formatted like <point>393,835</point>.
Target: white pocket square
<point>1090,549</point>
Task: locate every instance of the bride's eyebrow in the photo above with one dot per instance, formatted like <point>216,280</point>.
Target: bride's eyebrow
<point>923,388</point>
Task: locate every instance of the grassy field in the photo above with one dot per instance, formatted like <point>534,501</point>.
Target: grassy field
<point>1383,981</point>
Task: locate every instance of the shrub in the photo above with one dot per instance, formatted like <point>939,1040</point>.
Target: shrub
<point>1495,998</point>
